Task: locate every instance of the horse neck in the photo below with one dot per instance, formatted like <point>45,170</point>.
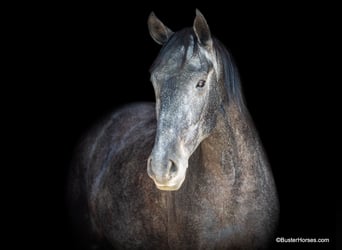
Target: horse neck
<point>234,135</point>
<point>231,141</point>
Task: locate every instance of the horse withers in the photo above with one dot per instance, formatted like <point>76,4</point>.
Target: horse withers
<point>208,184</point>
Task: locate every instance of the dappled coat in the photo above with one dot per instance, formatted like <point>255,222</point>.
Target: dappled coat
<point>188,172</point>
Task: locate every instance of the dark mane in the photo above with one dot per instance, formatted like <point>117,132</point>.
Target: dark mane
<point>188,39</point>
<point>231,75</point>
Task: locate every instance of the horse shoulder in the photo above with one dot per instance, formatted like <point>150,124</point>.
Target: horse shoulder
<point>121,193</point>
<point>118,138</point>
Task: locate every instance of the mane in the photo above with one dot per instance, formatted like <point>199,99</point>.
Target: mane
<point>188,39</point>
<point>231,75</point>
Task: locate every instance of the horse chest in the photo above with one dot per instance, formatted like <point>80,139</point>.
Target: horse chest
<point>197,219</point>
<point>196,214</point>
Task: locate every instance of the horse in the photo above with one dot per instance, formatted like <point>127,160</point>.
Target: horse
<point>186,172</point>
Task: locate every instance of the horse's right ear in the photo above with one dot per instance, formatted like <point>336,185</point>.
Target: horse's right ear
<point>158,31</point>
<point>202,30</point>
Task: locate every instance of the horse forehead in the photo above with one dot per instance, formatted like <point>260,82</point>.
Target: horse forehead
<point>177,63</point>
<point>180,51</point>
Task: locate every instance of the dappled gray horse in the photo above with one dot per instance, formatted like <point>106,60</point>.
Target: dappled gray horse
<point>208,184</point>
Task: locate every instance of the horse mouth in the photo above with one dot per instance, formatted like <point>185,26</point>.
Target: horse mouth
<point>169,187</point>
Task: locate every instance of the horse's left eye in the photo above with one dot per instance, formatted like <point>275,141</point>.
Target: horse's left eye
<point>200,84</point>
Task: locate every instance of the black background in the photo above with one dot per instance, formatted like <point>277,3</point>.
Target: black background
<point>79,62</point>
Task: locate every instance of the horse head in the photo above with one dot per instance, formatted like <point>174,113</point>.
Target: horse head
<point>184,77</point>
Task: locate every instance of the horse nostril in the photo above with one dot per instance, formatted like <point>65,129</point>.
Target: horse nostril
<point>172,168</point>
<point>149,167</point>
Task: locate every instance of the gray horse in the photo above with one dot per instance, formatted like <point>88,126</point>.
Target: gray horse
<point>208,184</point>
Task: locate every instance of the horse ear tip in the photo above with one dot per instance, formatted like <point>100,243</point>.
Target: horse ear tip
<point>198,13</point>
<point>152,14</point>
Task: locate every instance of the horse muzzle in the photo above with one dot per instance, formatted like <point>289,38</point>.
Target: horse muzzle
<point>168,176</point>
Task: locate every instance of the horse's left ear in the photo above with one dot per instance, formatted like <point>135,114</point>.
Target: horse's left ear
<point>202,30</point>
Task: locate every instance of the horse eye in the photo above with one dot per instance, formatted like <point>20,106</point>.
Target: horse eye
<point>200,84</point>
